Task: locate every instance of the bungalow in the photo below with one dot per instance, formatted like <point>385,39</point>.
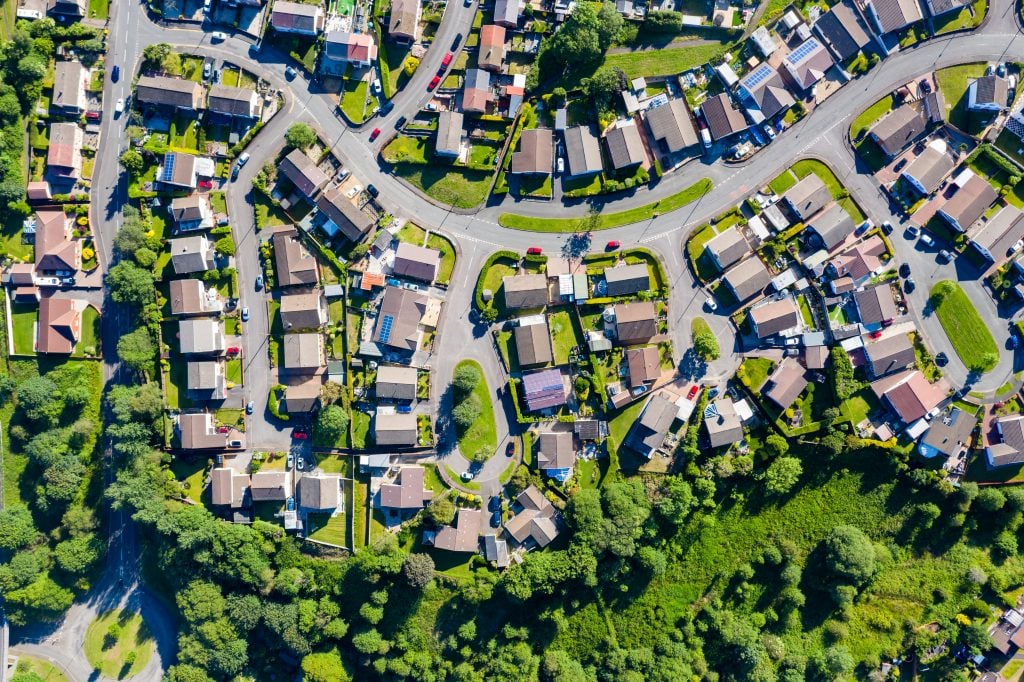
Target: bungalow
<point>56,253</point>
<point>930,168</point>
<point>303,173</point>
<point>201,337</point>
<point>60,325</point>
<point>807,63</point>
<point>972,198</point>
<point>343,49</point>
<point>785,384</point>
<point>302,311</point>
<point>320,492</point>
<point>294,264</point>
<point>525,291</point>
<point>644,366</point>
<point>671,127</point>
<point>831,226</point>
<point>205,380</point>
<point>556,455</point>
<point>477,95</point>
<point>722,423</point>
<point>198,432</point>
<point>228,487</point>
<point>988,93</point>
<point>582,151</point>
<point>492,47</point>
<point>726,248</point>
<point>464,536</point>
<point>416,262</point>
<point>178,171</point>
<point>448,141</point>
<point>891,354</point>
<point>774,317</point>
<point>64,156</point>
<point>544,389</point>
<point>270,486</point>
<point>536,521</point>
<point>763,40</point>
<point>807,197</point>
<point>191,254</point>
<point>937,7</point>
<point>407,493</point>
<point>648,433</point>
<point>625,149</point>
<point>303,353</point>
<point>859,261</point>
<point>506,13</point>
<point>898,128</point>
<point>875,305</point>
<point>841,28</point>
<point>747,279</point>
<point>173,93</point>
<point>297,17</point>
<point>892,15</point>
<point>69,81</point>
<point>533,343</point>
<point>404,21</point>
<point>764,93</point>
<point>635,322</point>
<point>38,190</point>
<point>191,297</point>
<point>496,551</point>
<point>625,280</point>
<point>996,238</point>
<point>536,148</point>
<point>910,395</point>
<point>395,429</point>
<point>1010,449</point>
<point>949,434</point>
<point>231,101</point>
<point>399,318</point>
<point>396,383</point>
<point>70,9</point>
<point>191,213</point>
<point>337,214</point>
<point>302,393</point>
<point>723,119</point>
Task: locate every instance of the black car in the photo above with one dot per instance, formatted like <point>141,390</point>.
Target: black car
<point>941,359</point>
<point>908,284</point>
<point>234,172</point>
<point>495,519</point>
<point>457,41</point>
<point>372,191</point>
<point>115,74</point>
<point>386,108</point>
<point>400,122</point>
<point>905,270</point>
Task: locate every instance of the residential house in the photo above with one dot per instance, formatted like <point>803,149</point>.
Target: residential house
<point>747,279</point>
<point>785,384</point>
<point>205,380</point>
<point>303,353</point>
<point>635,322</point>
<point>807,197</point>
<point>339,215</point>
<point>506,13</point>
<point>178,171</point>
<point>972,198</point>
<point>56,253</point>
<point>533,344</point>
<point>477,95</point>
<point>891,354</point>
<point>764,93</point>
<point>842,29</point>
<point>949,434</point>
<point>198,432</point>
<point>228,487</point>
<point>671,127</point>
<point>625,149</point>
<point>831,226</point>
<point>763,40</point>
<point>722,423</point>
<point>996,238</point>
<point>816,356</point>
<point>512,94</point>
<point>395,429</point>
<point>416,262</point>
<point>69,83</point>
<point>407,493</point>
<point>496,551</point>
<point>1010,448</point>
<point>201,337</point>
<point>297,17</point>
<point>302,311</point>
<point>38,191</point>
<point>396,383</point>
<point>294,264</point>
<point>536,149</point>
<point>934,107</point>
<point>270,486</point>
<point>859,261</point>
<point>67,9</point>
<point>302,393</point>
<point>64,155</point>
<point>464,536</point>
<point>303,173</point>
<point>938,7</point>
<point>926,172</point>
<point>875,305</point>
<point>910,395</point>
<point>448,141</point>
<point>320,492</point>
<point>191,297</point>
<point>536,521</point>
<point>892,15</point>
<point>726,248</point>
<point>404,21</point>
<point>582,151</point>
<point>525,291</point>
<point>231,101</point>
<point>625,280</point>
<point>774,317</point>
<point>988,93</point>
<point>492,47</point>
<point>343,49</point>
<point>544,389</point>
<point>173,93</point>
<point>60,325</point>
<point>191,213</point>
<point>556,455</point>
<point>723,119</point>
<point>191,254</point>
<point>898,128</point>
<point>644,366</point>
<point>399,318</point>
<point>807,63</point>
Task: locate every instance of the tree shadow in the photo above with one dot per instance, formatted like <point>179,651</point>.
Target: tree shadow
<point>691,366</point>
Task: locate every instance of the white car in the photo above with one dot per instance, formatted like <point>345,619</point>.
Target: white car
<point>354,190</point>
<point>927,240</point>
<point>218,36</point>
<point>561,165</point>
<point>711,303</point>
<point>119,107</point>
<point>376,86</point>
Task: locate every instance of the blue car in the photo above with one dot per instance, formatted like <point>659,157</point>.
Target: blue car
<point>291,504</point>
<point>494,504</point>
<point>496,519</point>
<point>115,75</point>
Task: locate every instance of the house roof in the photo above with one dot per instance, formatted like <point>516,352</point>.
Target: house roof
<point>417,262</point>
<point>970,202</point>
<point>833,225</point>
<point>748,278</point>
<point>555,450</point>
<point>723,425</point>
<point>320,491</point>
<point>225,99</point>
<point>898,128</point>
<point>349,218</point>
<point>911,396</point>
<point>950,432</point>
<point>295,264</point>
<point>60,325</point>
<point>200,336</point>
<point>303,172</point>
<point>774,317</point>
<point>346,46</point>
<point>395,429</point>
<point>506,11</point>
<point>65,150</point>
<point>808,196</point>
<point>198,432</point>
<point>302,393</point>
<point>644,365</point>
<point>815,357</point>
<point>534,524</point>
<point>890,354</point>
<point>476,90</point>
<point>191,254</point>
<point>768,91</point>
<point>38,190</point>
<point>403,20</point>
<point>934,106</point>
<point>267,486</point>
<point>53,249</point>
<point>624,145</point>
<point>399,317</point>
<point>860,260</point>
<point>637,321</point>
<point>188,209</point>
<point>496,550</point>
<point>178,169</point>
<point>187,296</point>
<point>449,132</point>
<point>297,16</point>
<point>895,14</point>
<point>302,351</point>
<point>625,279</point>
<point>930,167</point>
<point>671,126</point>
<point>1011,449</point>
<point>937,7</point>
<point>227,486</point>
<point>396,383</point>
<point>786,383</point>
<point>875,304</point>
<point>582,150</point>
<point>203,375</point>
<point>727,247</point>
<point>171,92</point>
<point>69,85</point>
<point>722,117</point>
<point>543,389</point>
<point>407,492</point>
<point>525,291</point>
<point>301,310</point>
<point>991,89</point>
<point>533,344</point>
<point>1000,232</point>
<point>841,28</point>
<point>492,47</point>
<point>648,432</point>
<point>808,62</point>
<point>536,147</point>
<point>464,536</point>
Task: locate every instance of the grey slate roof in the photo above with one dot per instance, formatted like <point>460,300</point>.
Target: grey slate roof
<point>582,150</point>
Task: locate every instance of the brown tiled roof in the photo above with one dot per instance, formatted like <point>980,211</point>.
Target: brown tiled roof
<point>555,450</point>
<point>808,196</point>
<point>895,14</point>
<point>898,128</point>
<point>417,262</point>
<point>724,427</point>
<point>303,352</point>
<point>353,222</point>
<point>727,247</point>
<point>492,47</point>
<point>842,30</point>
<point>266,486</point>
<point>913,397</point>
<point>320,491</point>
<point>171,92</point>
<point>198,432</point>
<point>297,16</point>
<point>772,318</point>
<point>525,291</point>
<point>54,250</point>
<point>786,383</point>
<point>60,325</point>
<point>748,278</point>
<point>395,429</point>
<point>69,86</point>
<point>970,202</point>
<point>671,126</point>
<point>930,167</point>
<point>536,147</point>
<point>533,344</point>
<point>875,304</point>
<point>295,264</point>
<point>625,148</point>
<point>407,492</point>
<point>405,310</point>
<point>723,118</point>
<point>636,322</point>
<point>64,156</point>
<point>624,280</point>
<point>187,296</point>
<point>225,99</point>
<point>464,536</point>
<point>304,174</point>
<point>396,383</point>
<point>402,23</point>
<point>227,487</point>
<point>644,365</point>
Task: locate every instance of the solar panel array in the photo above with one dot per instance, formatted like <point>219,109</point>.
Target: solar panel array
<point>385,328</point>
<point>762,73</point>
<point>710,411</point>
<point>799,54</point>
<point>168,173</point>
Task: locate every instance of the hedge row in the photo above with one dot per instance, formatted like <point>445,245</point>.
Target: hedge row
<point>478,294</point>
<point>274,403</point>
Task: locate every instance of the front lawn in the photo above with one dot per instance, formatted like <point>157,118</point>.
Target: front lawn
<point>480,440</point>
<point>89,343</point>
<point>405,149</point>
<point>953,83</point>
<point>461,188</point>
<point>107,650</point>
<point>756,371</point>
<point>267,214</point>
<point>353,101</point>
<point>563,336</point>
<point>805,167</point>
<point>964,327</point>
<point>40,670</point>
<point>444,270</point>
<point>233,371</point>
<point>869,116</point>
<point>98,9</point>
<point>958,21</point>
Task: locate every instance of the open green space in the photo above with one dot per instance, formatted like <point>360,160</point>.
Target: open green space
<point>120,651</point>
<point>563,335</point>
<point>353,100</point>
<point>756,371</point>
<point>191,473</point>
<point>480,440</point>
<point>953,82</point>
<point>458,187</point>
<point>43,671</point>
<point>964,327</point>
<point>444,270</point>
<point>89,343</point>
<point>25,316</point>
<point>966,18</point>
<point>667,61</point>
<point>330,529</point>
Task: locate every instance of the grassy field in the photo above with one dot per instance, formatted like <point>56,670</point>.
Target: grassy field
<point>41,669</point>
<point>869,116</point>
<point>24,323</point>
<point>455,187</point>
<point>353,101</point>
<point>953,83</point>
<point>89,343</point>
<point>480,439</point>
<point>109,657</point>
<point>667,61</point>
<point>192,473</point>
<point>605,221</point>
<point>964,326</point>
<point>563,336</point>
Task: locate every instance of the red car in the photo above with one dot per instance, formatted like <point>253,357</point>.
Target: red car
<point>693,392</point>
<point>612,245</point>
<point>205,184</point>
<point>234,350</point>
<point>447,60</point>
<point>433,82</point>
<point>300,435</point>
<point>535,251</point>
<point>876,334</point>
<point>374,134</point>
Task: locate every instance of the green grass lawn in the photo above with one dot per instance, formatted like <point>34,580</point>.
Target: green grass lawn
<point>24,321</point>
<point>563,335</point>
<point>134,637</point>
<point>44,671</point>
<point>782,182</point>
<point>956,21</point>
<point>604,221</point>
<point>805,167</point>
<point>501,268</point>
<point>965,328</point>
<point>233,371</point>
<point>192,474</point>
<point>268,215</point>
<point>666,61</point>
<point>412,234</point>
<point>230,77</point>
<point>481,439</point>
<point>360,429</point>
<point>98,9</point>
<point>461,188</point>
<point>444,270</point>
<point>620,424</point>
<point>184,134</point>
<point>757,370</point>
<point>329,529</point>
<point>404,149</point>
<point>953,83</point>
<point>805,311</point>
<point>353,101</point>
<point>89,344</point>
<point>857,407</point>
<point>986,165</point>
<point>869,116</point>
<point>192,68</point>
<point>218,202</point>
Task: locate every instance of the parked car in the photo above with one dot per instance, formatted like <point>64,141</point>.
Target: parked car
<point>235,444</point>
<point>291,504</point>
<point>115,73</point>
<point>862,228</point>
<point>374,134</point>
<point>945,256</point>
<point>233,350</point>
<point>561,165</point>
<point>899,165</point>
<point>218,36</point>
<point>909,285</point>
<point>372,191</point>
<point>235,171</point>
<point>535,251</point>
<point>434,82</point>
<point>301,464</point>
<point>886,227</point>
<point>376,86</point>
<point>905,270</point>
<point>494,504</point>
<point>300,435</point>
<point>925,86</point>
<point>496,519</point>
<point>510,449</point>
<point>447,59</point>
<point>289,72</point>
<point>457,41</point>
<point>913,231</point>
<point>467,475</point>
<point>290,462</point>
<point>404,409</point>
<point>711,303</point>
<point>243,158</point>
<point>941,359</point>
<point>207,70</point>
<point>259,282</point>
<point>927,240</point>
<point>612,245</point>
<point>1001,70</point>
<point>693,392</point>
<point>245,314</point>
<point>249,407</point>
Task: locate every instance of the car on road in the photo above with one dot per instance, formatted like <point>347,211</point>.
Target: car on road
<point>909,285</point>
<point>447,59</point>
<point>899,165</point>
<point>886,227</point>
<point>218,36</point>
<point>496,519</point>
<point>467,475</point>
<point>374,134</point>
<point>457,41</point>
<point>249,407</point>
<point>711,304</point>
<point>612,245</point>
<point>235,171</point>
<point>245,314</point>
<point>243,159</point>
<point>905,270</point>
<point>289,72</point>
<point>291,462</point>
<point>291,504</point>
<point>233,350</point>
<point>941,359</point>
<point>945,256</point>
<point>510,449</point>
<point>433,82</point>
<point>913,231</point>
<point>372,191</point>
<point>693,392</point>
<point>259,282</point>
<point>561,165</point>
<point>400,121</point>
<point>119,106</point>
<point>535,251</point>
<point>115,74</point>
<point>927,240</point>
